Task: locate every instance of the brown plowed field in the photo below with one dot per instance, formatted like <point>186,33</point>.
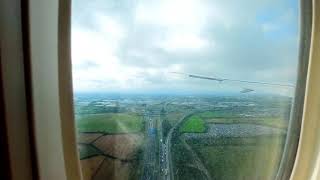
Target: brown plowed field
<point>90,166</point>
<point>113,170</point>
<point>122,146</point>
<point>87,137</point>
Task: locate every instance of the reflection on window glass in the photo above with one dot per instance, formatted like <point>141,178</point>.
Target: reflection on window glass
<point>183,89</point>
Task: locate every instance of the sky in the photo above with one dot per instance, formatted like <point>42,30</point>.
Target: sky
<point>134,45</point>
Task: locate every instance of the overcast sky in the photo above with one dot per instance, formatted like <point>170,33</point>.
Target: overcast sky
<point>133,45</point>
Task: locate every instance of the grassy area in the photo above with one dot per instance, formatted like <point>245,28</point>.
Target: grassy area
<point>247,162</point>
<point>110,123</point>
<point>268,121</point>
<point>182,162</point>
<point>227,118</point>
<point>194,124</point>
<point>211,114</point>
<point>174,117</point>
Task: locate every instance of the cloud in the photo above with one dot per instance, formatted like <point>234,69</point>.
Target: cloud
<point>123,45</point>
<point>183,41</point>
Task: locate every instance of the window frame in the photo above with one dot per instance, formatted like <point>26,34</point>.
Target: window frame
<point>307,161</point>
<point>57,16</point>
<point>294,127</point>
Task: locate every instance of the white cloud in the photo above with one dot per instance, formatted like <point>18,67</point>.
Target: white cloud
<point>183,42</point>
<point>98,47</point>
<point>136,48</point>
<point>110,27</point>
<point>106,72</point>
<point>169,13</point>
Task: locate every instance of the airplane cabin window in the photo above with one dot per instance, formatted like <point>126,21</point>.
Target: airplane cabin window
<point>184,89</point>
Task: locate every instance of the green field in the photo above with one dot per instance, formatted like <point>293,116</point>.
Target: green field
<point>182,159</point>
<point>227,118</point>
<point>245,162</point>
<point>210,114</point>
<point>174,117</point>
<point>268,121</point>
<point>194,124</point>
<point>110,123</point>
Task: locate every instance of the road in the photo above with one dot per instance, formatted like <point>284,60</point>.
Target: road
<point>157,156</point>
<point>150,168</point>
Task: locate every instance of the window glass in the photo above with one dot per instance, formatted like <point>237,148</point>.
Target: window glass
<point>183,89</point>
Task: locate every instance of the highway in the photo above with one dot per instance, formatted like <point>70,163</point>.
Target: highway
<point>158,163</point>
<point>151,167</point>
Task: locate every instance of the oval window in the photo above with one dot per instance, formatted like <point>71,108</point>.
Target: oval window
<point>183,89</point>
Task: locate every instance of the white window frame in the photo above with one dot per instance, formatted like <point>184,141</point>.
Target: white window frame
<point>54,126</point>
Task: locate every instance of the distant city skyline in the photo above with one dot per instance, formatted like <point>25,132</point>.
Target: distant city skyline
<point>132,46</point>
